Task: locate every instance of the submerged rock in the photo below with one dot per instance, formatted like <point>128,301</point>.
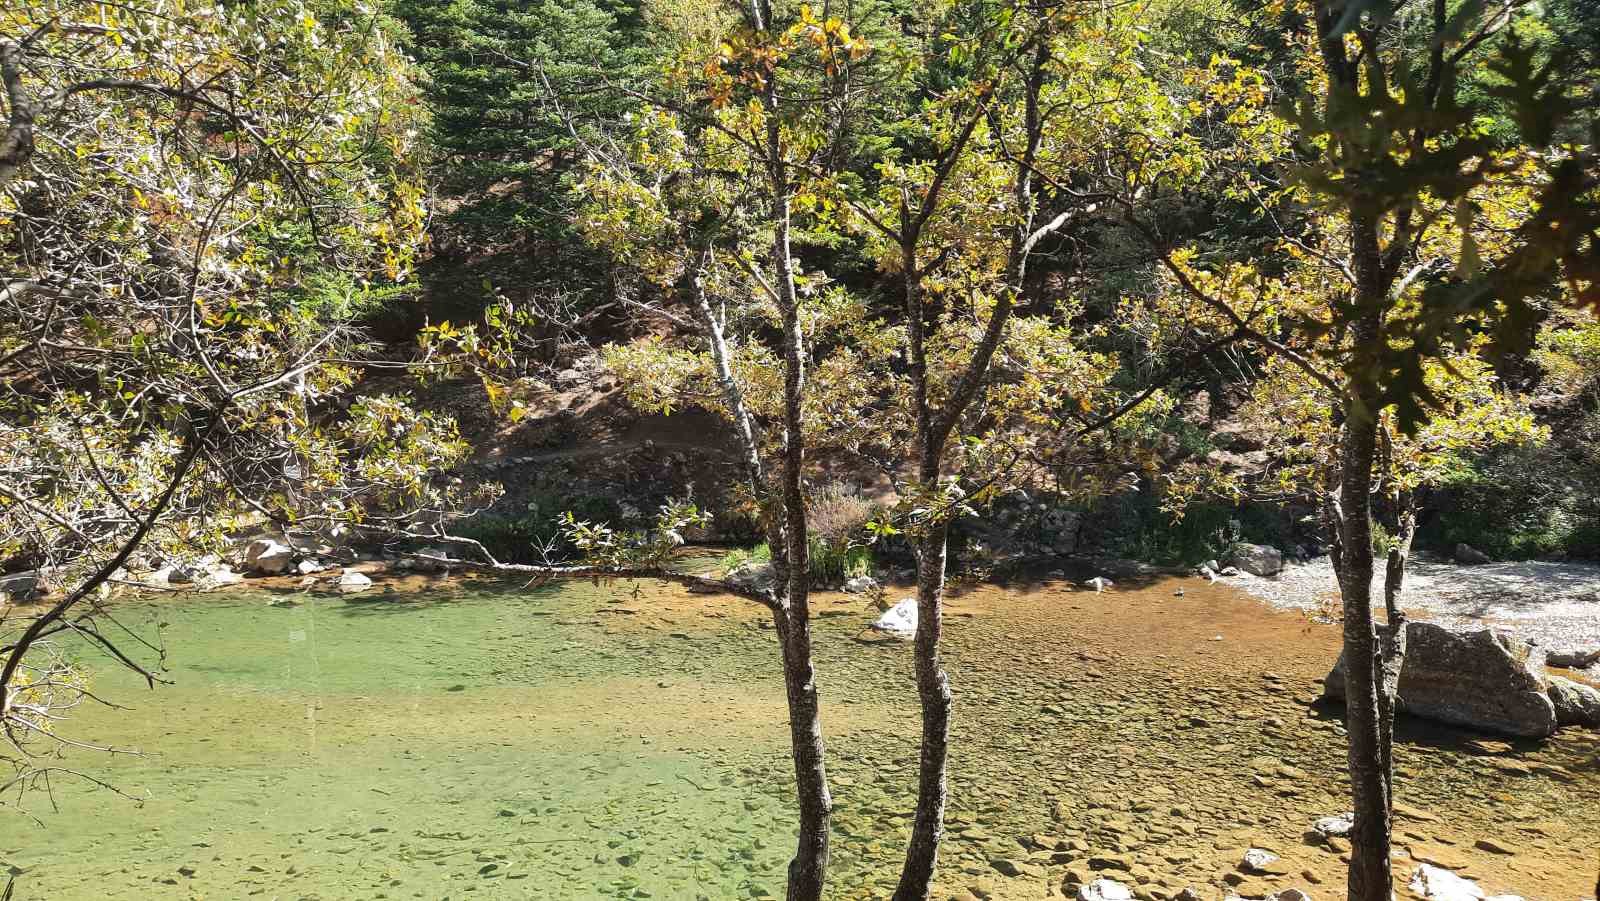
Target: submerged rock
<point>900,620</point>
<point>754,576</point>
<point>352,582</point>
<point>1483,680</point>
<point>1439,884</point>
<point>1576,704</point>
<point>1257,559</point>
<point>1105,890</point>
<point>1335,826</point>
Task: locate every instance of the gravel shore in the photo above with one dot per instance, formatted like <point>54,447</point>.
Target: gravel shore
<point>1555,605</point>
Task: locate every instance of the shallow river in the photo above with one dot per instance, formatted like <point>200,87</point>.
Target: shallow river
<point>575,741</point>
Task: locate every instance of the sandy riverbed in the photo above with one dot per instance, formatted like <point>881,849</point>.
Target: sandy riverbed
<point>1556,605</point>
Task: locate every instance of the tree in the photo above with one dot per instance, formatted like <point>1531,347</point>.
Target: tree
<point>1406,231</point>
<point>197,203</point>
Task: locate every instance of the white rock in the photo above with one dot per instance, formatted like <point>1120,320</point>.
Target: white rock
<point>899,620</point>
<point>1429,881</point>
<point>310,565</point>
<point>1256,860</point>
<point>1104,890</point>
<point>222,574</point>
<point>1335,827</point>
<point>352,582</point>
<point>268,556</point>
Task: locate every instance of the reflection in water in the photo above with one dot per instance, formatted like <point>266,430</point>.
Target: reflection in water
<point>589,742</point>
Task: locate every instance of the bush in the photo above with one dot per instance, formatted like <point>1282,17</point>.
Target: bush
<point>1523,502</point>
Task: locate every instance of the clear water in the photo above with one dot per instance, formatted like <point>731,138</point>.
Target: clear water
<point>621,741</point>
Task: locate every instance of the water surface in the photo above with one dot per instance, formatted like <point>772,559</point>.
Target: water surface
<point>622,741</point>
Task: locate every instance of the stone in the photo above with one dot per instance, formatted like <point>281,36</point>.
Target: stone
<point>24,586</point>
<point>1257,559</point>
<point>268,556</point>
<point>351,582</point>
<point>860,585</point>
<point>1576,704</point>
<point>1483,680</point>
<point>1471,556</point>
<point>1439,884</point>
<point>1105,890</point>
<point>220,574</point>
<point>310,565</point>
<point>899,621</point>
<point>1262,862</point>
<point>1571,659</point>
<point>1335,826</point>
<point>755,576</point>
<point>1290,894</point>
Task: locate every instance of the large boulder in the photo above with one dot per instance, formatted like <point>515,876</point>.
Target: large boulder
<point>1576,704</point>
<point>1471,556</point>
<point>1483,680</point>
<point>1257,559</point>
<point>268,556</point>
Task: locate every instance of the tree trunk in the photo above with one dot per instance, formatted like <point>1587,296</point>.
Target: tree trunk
<point>1370,878</point>
<point>808,870</point>
<point>933,690</point>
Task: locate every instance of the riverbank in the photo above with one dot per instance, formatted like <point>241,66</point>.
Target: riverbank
<point>1552,604</point>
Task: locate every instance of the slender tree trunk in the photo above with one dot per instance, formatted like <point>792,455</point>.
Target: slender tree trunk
<point>808,869</point>
<point>933,690</point>
<point>1370,878</point>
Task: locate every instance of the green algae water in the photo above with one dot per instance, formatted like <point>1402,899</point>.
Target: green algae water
<point>628,741</point>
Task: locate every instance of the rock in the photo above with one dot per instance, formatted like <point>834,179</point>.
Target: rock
<point>268,556</point>
<point>1335,827</point>
<point>432,559</point>
<point>1099,583</point>
<point>1257,559</point>
<point>1262,862</point>
<point>351,582</point>
<point>1576,704</point>
<point>1008,867</point>
<point>1434,882</point>
<point>900,620</point>
<point>1571,659</point>
<point>1466,553</point>
<point>754,576</point>
<point>860,585</point>
<point>310,565</point>
<point>222,574</point>
<point>1439,884</point>
<point>1289,894</point>
<point>1483,680</point>
<point>1105,890</point>
<point>25,586</point>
